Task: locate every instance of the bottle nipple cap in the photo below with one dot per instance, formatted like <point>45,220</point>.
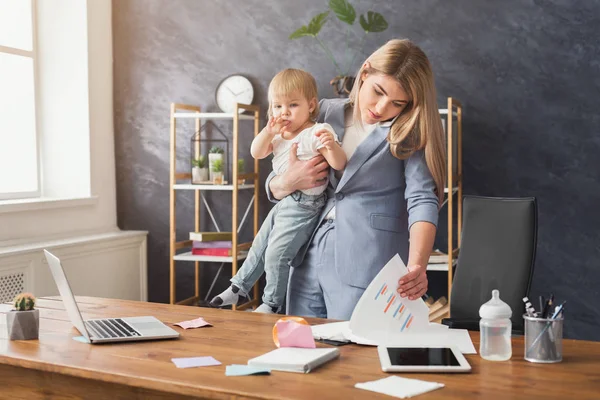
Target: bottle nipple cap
<point>495,308</point>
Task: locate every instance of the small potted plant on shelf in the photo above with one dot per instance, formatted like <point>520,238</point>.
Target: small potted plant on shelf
<point>215,153</point>
<point>217,170</point>
<point>23,322</point>
<point>241,170</point>
<point>199,170</point>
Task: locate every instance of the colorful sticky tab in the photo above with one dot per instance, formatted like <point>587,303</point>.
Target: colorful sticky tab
<point>189,362</point>
<point>194,323</point>
<point>81,339</point>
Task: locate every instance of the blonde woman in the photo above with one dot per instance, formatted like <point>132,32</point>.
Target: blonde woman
<point>389,191</point>
<point>293,108</point>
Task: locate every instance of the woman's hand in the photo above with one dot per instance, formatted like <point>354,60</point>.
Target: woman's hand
<point>414,284</point>
<point>300,175</point>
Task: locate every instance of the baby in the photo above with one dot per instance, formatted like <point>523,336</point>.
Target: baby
<point>293,109</point>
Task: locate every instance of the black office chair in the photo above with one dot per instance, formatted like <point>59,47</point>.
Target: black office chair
<point>499,238</point>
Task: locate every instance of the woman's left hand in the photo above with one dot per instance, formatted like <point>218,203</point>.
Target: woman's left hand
<point>414,284</point>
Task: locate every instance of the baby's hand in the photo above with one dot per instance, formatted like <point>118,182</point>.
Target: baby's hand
<point>326,138</point>
<point>276,126</point>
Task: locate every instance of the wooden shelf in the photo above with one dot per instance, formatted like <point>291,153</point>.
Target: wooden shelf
<point>450,115</point>
<point>202,115</point>
<point>188,256</point>
<point>440,266</point>
<point>444,111</point>
<point>190,186</point>
<point>181,181</point>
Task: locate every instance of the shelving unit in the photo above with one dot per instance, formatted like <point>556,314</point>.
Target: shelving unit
<point>454,186</point>
<point>177,248</point>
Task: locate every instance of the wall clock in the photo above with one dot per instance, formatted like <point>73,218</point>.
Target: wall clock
<point>234,89</point>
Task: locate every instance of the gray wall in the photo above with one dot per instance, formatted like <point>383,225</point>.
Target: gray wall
<point>527,73</point>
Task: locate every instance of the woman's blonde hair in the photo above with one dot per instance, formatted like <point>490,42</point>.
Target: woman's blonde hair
<point>419,125</point>
<point>291,80</point>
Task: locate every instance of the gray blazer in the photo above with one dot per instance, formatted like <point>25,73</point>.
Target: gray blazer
<point>377,199</point>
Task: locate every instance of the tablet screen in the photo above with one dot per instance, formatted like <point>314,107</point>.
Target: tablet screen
<point>422,356</point>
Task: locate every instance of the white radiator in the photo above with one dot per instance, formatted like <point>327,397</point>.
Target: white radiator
<point>112,265</point>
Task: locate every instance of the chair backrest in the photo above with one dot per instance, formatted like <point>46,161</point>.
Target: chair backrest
<point>497,251</point>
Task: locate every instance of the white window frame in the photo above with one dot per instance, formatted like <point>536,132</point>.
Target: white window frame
<point>33,55</point>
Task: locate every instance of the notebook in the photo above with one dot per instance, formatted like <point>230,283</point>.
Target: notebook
<point>294,359</point>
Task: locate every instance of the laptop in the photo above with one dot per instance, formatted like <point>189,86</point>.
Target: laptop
<point>106,330</point>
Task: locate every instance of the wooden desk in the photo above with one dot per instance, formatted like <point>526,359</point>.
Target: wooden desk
<point>56,366</point>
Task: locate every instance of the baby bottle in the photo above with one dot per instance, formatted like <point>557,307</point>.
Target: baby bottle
<point>495,329</point>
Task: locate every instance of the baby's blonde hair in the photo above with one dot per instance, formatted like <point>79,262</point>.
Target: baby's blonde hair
<point>419,125</point>
<point>291,80</point>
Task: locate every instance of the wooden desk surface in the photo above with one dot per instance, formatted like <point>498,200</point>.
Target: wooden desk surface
<point>56,365</point>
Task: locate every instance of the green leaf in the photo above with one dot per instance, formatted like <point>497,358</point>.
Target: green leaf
<point>317,23</point>
<point>373,23</point>
<point>301,33</point>
<point>313,28</point>
<point>343,10</point>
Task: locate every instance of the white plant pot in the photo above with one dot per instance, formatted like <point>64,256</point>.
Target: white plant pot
<point>211,159</point>
<point>20,325</point>
<point>199,175</point>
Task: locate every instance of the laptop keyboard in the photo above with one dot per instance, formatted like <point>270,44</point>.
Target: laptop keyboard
<point>110,328</point>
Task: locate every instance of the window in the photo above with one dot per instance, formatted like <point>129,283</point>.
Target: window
<point>19,160</point>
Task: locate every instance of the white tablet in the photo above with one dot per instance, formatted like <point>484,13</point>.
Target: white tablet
<point>422,359</point>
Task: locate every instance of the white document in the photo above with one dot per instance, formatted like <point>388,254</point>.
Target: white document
<point>331,331</point>
<point>399,387</point>
<point>381,311</point>
<point>382,317</point>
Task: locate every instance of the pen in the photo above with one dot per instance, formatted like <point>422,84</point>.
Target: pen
<point>548,305</point>
<point>541,305</point>
<point>558,310</point>
<point>528,307</point>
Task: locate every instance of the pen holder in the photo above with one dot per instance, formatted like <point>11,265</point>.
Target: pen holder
<point>543,339</point>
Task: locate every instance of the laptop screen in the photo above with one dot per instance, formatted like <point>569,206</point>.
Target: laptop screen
<point>65,293</point>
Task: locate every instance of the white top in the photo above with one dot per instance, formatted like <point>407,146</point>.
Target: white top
<point>353,136</point>
<point>308,147</point>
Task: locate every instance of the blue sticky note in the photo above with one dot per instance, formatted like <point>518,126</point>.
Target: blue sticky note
<point>81,339</point>
<point>243,370</point>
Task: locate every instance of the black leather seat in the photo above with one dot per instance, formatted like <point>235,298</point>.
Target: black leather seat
<point>497,251</point>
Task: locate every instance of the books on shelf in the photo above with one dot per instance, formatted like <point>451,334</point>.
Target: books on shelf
<point>225,244</point>
<point>218,252</point>
<point>439,257</point>
<point>210,236</point>
<point>215,251</point>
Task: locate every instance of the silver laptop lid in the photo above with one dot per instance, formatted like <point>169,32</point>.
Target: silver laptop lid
<point>65,292</point>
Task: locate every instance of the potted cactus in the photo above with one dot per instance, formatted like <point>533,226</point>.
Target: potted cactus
<point>217,170</point>
<point>23,322</point>
<point>199,170</point>
<point>241,170</point>
<point>215,153</point>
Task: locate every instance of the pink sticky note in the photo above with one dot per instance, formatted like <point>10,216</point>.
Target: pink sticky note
<point>293,334</point>
<point>189,362</point>
<point>194,323</point>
